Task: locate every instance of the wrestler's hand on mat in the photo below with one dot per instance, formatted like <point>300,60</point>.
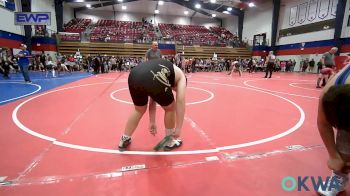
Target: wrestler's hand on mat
<point>336,163</point>
<point>152,128</point>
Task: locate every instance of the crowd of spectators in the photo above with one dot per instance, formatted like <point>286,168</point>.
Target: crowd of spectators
<point>145,32</point>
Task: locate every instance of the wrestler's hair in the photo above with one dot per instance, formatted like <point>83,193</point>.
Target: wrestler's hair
<point>336,105</point>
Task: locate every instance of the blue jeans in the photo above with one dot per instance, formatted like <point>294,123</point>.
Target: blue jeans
<point>25,73</point>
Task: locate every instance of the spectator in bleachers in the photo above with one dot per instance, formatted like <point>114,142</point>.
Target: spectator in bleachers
<point>77,25</point>
<point>108,38</point>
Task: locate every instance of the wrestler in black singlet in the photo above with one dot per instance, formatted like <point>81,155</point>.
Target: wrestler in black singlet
<point>154,78</point>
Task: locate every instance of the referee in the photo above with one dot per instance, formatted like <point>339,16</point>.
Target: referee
<point>153,52</point>
<point>270,63</point>
<point>328,58</point>
<point>328,61</point>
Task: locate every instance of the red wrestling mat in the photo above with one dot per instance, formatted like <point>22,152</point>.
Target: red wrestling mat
<point>241,136</point>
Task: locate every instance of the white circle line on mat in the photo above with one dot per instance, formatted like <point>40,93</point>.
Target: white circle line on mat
<point>191,103</point>
<point>295,86</point>
<point>14,98</point>
<point>114,151</point>
<point>272,91</point>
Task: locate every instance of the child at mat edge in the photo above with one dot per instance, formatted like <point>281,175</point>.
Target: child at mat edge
<point>156,79</point>
<point>334,112</point>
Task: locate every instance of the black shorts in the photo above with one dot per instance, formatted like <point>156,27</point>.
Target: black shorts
<point>270,65</point>
<point>140,96</point>
<point>143,84</point>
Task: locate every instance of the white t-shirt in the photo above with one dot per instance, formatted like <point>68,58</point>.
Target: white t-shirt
<point>272,58</point>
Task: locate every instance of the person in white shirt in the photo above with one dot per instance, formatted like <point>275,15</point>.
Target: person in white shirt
<point>270,64</point>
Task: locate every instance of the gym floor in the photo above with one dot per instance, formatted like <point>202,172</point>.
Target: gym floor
<point>242,136</point>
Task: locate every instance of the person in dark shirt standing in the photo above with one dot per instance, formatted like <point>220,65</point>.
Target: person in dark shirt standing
<point>311,65</point>
<point>305,64</point>
<point>43,59</point>
<point>89,62</point>
<point>153,53</point>
<point>328,58</point>
<point>97,62</point>
<point>5,62</point>
<point>319,66</point>
<point>120,64</point>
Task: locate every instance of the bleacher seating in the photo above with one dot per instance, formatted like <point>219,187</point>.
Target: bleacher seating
<point>222,32</point>
<point>77,25</point>
<point>190,34</point>
<point>121,31</point>
<point>122,39</point>
<point>139,50</point>
<point>69,37</point>
<point>140,32</point>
